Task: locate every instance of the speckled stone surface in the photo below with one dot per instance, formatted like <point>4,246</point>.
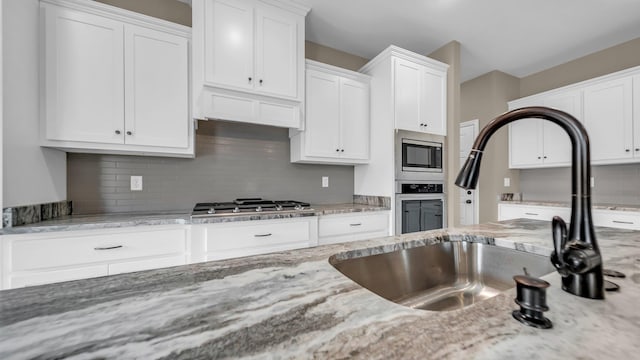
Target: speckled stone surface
<point>568,205</point>
<point>106,221</point>
<point>295,305</point>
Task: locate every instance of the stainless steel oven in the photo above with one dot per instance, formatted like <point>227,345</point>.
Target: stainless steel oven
<point>418,157</point>
<point>419,206</point>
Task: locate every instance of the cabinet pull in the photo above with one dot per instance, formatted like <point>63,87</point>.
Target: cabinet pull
<point>129,133</point>
<point>534,214</point>
<point>107,247</point>
<point>342,150</point>
<point>117,132</point>
<point>623,222</point>
<point>262,235</point>
<point>627,150</point>
<point>337,150</point>
<point>250,78</point>
<point>355,224</point>
<point>638,149</point>
<point>260,82</point>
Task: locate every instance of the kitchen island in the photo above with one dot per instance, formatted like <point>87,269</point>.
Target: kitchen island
<point>296,305</point>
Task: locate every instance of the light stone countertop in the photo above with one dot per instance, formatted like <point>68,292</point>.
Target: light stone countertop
<point>292,305</point>
<point>117,220</point>
<point>600,206</point>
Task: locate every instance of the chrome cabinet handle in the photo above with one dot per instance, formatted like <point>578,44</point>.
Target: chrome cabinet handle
<point>107,247</point>
<point>356,224</point>
<point>623,222</point>
<point>534,214</point>
<point>262,235</point>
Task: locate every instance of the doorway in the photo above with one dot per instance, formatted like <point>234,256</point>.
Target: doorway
<point>469,206</point>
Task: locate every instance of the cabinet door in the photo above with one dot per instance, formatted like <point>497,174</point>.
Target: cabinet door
<point>407,94</point>
<point>229,43</point>
<point>84,91</point>
<point>354,119</point>
<point>322,115</point>
<point>277,52</point>
<point>54,276</point>
<point>608,119</point>
<point>434,102</point>
<point>525,143</point>
<point>557,145</point>
<point>411,219</point>
<point>430,215</point>
<point>156,88</point>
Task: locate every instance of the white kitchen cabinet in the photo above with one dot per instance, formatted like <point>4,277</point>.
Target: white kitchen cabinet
<point>114,82</point>
<point>617,219</point>
<point>607,106</point>
<point>337,117</point>
<point>340,228</point>
<point>248,61</point>
<point>33,259</point>
<point>534,212</point>
<point>244,238</point>
<point>419,94</point>
<point>541,143</point>
<point>608,118</point>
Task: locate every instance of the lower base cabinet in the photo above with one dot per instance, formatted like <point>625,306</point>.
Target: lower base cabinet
<point>237,239</point>
<point>352,227</point>
<point>601,217</point>
<point>50,257</point>
<point>35,259</point>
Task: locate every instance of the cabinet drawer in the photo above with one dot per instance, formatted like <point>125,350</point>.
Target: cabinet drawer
<point>69,248</point>
<point>616,219</point>
<point>546,213</point>
<point>333,225</point>
<point>349,227</point>
<point>255,235</point>
<point>146,264</point>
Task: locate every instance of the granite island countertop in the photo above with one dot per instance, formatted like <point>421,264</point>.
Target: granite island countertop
<point>180,217</point>
<point>296,305</point>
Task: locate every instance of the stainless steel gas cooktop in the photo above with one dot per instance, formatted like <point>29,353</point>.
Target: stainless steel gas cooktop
<point>249,205</point>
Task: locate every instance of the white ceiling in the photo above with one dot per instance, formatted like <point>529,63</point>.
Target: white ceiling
<point>519,37</point>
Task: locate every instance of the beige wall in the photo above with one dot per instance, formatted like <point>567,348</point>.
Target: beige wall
<point>171,10</point>
<point>333,57</point>
<point>615,58</point>
<point>484,98</point>
<point>450,54</point>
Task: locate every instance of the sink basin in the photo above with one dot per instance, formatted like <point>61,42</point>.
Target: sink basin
<point>445,276</point>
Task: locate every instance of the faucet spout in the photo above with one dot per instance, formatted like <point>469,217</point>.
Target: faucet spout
<point>576,255</point>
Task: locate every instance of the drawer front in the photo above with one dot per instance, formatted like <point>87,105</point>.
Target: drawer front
<point>256,235</point>
<point>546,213</point>
<point>146,264</point>
<point>616,219</point>
<point>68,249</point>
<point>352,224</point>
<point>278,115</point>
<point>230,108</point>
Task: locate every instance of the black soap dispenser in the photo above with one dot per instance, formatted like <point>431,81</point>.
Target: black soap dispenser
<point>532,298</point>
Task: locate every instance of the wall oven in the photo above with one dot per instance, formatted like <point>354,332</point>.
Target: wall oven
<point>418,157</point>
<point>419,206</point>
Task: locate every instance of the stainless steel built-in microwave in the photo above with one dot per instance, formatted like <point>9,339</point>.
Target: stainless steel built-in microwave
<point>421,156</point>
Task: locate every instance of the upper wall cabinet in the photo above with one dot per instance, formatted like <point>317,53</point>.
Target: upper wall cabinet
<point>541,143</point>
<point>607,107</point>
<point>114,81</point>
<point>248,61</point>
<point>337,117</point>
<point>418,89</point>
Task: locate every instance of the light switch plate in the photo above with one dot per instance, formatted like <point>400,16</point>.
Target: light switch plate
<point>507,182</point>
<point>325,181</point>
<point>136,183</point>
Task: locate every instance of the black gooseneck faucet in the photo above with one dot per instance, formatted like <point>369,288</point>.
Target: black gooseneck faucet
<point>576,256</point>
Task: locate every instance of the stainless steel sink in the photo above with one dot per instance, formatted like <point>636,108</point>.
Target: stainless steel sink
<point>445,276</point>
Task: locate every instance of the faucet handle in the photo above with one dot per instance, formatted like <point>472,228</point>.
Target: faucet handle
<point>559,231</point>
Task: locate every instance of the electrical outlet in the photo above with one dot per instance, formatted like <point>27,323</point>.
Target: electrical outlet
<point>507,182</point>
<point>136,183</point>
<point>325,181</point>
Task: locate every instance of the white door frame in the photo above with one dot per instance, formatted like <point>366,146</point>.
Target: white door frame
<point>475,123</point>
